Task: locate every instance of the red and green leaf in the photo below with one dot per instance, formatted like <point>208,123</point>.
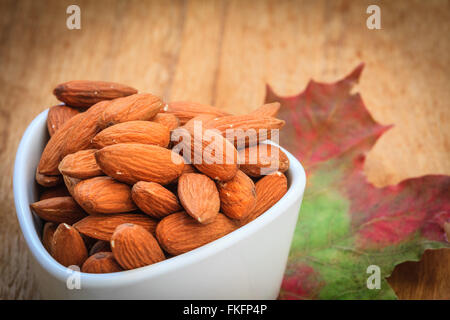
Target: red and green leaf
<point>346,224</point>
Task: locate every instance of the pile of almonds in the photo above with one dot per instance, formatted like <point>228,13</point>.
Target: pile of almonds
<point>116,196</point>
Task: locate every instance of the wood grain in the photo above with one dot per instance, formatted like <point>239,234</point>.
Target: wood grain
<point>223,53</point>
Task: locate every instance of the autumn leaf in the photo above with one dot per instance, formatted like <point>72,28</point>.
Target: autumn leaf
<point>346,224</point>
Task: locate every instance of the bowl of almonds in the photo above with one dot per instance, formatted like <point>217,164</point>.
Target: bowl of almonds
<point>121,195</point>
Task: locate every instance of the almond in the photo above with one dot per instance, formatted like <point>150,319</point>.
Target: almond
<point>104,195</point>
<point>245,130</point>
<point>57,116</point>
<point>47,235</point>
<point>52,154</point>
<point>155,200</point>
<point>59,191</point>
<point>168,120</point>
<point>185,110</point>
<point>48,181</point>
<point>59,209</point>
<point>134,247</point>
<point>80,165</point>
<point>81,134</point>
<point>102,226</point>
<point>145,132</point>
<point>267,110</point>
<point>179,233</point>
<point>68,246</point>
<point>84,93</point>
<point>131,163</point>
<point>263,159</point>
<point>143,106</point>
<point>101,262</point>
<point>100,246</point>
<point>269,190</point>
<point>199,197</point>
<point>209,152</point>
<point>70,183</point>
<point>237,196</point>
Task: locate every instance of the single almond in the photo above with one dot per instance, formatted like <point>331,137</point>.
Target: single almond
<point>267,110</point>
<point>209,152</point>
<point>59,191</point>
<point>199,197</point>
<point>104,195</point>
<point>132,162</point>
<point>134,247</point>
<point>102,226</point>
<point>155,200</point>
<point>237,196</point>
<point>245,130</point>
<point>81,134</point>
<point>185,110</point>
<point>179,233</point>
<point>59,210</point>
<point>142,106</point>
<point>145,132</point>
<point>100,246</point>
<point>48,181</point>
<point>68,247</point>
<point>47,235</point>
<point>269,190</point>
<point>263,159</point>
<point>170,121</point>
<point>81,165</point>
<point>101,262</point>
<point>57,116</point>
<point>84,93</point>
<point>52,154</point>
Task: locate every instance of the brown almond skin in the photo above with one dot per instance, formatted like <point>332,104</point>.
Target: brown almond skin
<point>59,210</point>
<point>222,166</point>
<point>81,134</point>
<point>102,226</point>
<point>80,165</point>
<point>168,120</point>
<point>104,195</point>
<point>47,235</point>
<point>267,110</point>
<point>179,233</point>
<point>85,93</point>
<point>70,184</point>
<point>130,163</point>
<point>185,110</point>
<point>237,196</point>
<point>48,181</point>
<point>59,191</point>
<point>155,200</point>
<point>145,132</point>
<point>68,247</point>
<point>261,125</point>
<point>142,106</point>
<point>52,154</point>
<point>100,246</point>
<point>255,161</point>
<point>269,190</point>
<point>199,197</point>
<point>134,247</point>
<point>101,262</point>
<point>57,116</point>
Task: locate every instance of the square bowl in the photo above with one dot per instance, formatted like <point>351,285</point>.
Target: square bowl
<point>248,263</point>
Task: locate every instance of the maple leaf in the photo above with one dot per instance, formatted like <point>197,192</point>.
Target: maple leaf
<point>346,224</point>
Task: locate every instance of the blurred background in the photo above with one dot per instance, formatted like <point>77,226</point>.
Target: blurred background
<point>224,53</point>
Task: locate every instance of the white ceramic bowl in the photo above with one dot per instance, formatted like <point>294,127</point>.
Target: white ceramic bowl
<point>246,264</point>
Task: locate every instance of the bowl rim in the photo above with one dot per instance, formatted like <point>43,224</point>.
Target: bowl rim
<point>25,216</point>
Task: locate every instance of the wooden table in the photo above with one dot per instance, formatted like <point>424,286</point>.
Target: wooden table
<point>223,53</point>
